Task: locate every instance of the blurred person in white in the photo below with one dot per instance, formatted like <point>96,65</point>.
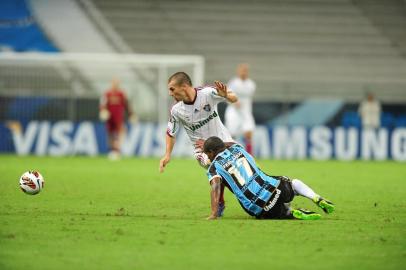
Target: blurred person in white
<point>238,116</point>
<point>113,106</point>
<point>370,112</point>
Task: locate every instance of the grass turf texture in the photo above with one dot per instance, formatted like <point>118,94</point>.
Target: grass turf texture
<point>96,214</point>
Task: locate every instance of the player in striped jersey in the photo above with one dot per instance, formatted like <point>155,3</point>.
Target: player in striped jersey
<point>259,194</point>
<point>196,111</point>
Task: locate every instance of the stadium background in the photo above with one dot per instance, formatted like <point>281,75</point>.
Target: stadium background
<point>313,61</point>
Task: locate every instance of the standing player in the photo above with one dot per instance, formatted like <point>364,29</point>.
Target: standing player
<point>113,106</point>
<point>259,194</point>
<point>370,112</point>
<point>238,116</point>
<point>196,111</point>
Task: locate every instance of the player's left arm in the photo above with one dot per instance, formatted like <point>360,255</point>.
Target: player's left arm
<point>215,196</point>
<point>224,92</point>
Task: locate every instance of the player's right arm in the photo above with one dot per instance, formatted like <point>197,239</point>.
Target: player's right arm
<point>215,196</point>
<point>173,128</point>
<point>225,93</point>
<point>170,142</point>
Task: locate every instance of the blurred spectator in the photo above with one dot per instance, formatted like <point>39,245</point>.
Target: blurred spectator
<point>113,105</point>
<point>238,116</point>
<point>370,112</point>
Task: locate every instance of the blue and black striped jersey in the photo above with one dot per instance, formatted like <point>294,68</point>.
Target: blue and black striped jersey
<point>239,172</point>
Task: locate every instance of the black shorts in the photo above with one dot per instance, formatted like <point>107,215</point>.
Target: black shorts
<point>280,210</point>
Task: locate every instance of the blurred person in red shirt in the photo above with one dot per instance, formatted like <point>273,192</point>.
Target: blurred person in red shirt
<point>113,108</point>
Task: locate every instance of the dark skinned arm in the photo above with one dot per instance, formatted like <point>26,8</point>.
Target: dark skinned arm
<point>215,196</point>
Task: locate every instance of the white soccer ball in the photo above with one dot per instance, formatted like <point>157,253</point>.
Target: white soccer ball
<point>31,182</point>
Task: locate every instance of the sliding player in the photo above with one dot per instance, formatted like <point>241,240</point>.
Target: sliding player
<point>259,194</point>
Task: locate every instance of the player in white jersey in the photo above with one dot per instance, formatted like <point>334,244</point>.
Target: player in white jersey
<point>238,116</point>
<point>196,111</point>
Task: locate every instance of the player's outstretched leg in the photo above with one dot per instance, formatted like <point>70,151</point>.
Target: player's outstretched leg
<point>305,214</point>
<point>304,190</point>
<point>326,205</point>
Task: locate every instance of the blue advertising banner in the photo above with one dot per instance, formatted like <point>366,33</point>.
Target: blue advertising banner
<point>148,140</point>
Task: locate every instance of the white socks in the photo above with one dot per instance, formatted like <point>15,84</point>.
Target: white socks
<point>302,189</point>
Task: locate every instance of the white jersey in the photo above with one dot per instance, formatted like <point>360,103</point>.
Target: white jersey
<point>245,90</point>
<point>200,118</point>
<point>240,119</point>
<point>370,112</point>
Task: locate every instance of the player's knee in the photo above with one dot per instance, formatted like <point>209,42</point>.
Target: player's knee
<point>294,184</point>
<point>296,180</point>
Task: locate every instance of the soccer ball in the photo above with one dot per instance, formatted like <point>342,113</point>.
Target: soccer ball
<point>31,182</point>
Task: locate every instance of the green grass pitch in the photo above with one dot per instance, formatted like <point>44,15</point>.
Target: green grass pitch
<point>97,214</point>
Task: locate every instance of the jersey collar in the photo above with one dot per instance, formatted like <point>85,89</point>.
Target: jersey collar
<point>218,155</point>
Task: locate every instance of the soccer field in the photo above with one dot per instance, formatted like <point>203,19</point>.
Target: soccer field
<point>97,214</point>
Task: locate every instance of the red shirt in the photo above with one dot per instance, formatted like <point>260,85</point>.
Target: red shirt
<point>115,102</point>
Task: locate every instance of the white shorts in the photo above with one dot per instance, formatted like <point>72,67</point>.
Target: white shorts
<point>238,122</point>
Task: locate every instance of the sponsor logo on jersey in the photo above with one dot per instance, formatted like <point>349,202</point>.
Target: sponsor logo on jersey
<point>204,122</point>
<point>273,201</point>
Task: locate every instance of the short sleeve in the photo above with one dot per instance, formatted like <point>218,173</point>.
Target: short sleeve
<point>173,125</point>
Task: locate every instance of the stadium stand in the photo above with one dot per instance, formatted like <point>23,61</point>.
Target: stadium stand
<point>19,30</point>
<point>297,49</point>
<point>33,90</point>
<point>73,31</point>
<point>310,113</point>
<point>389,17</point>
